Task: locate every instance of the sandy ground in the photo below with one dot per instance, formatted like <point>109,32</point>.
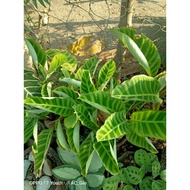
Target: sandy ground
<point>70,19</point>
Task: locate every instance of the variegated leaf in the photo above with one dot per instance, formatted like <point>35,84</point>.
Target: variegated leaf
<point>40,150</point>
<point>103,101</point>
<point>143,49</point>
<point>90,65</point>
<point>84,116</point>
<point>149,124</point>
<point>142,142</point>
<point>60,106</point>
<point>66,92</point>
<point>105,73</point>
<point>115,126</point>
<point>138,88</point>
<point>103,150</point>
<point>86,149</point>
<point>86,83</point>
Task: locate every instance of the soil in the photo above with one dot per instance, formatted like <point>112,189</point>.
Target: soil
<point>70,19</point>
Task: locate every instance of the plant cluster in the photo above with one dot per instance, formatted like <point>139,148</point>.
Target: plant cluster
<point>64,97</point>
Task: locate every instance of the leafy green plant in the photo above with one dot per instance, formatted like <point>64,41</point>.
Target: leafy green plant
<point>148,177</point>
<point>72,172</point>
<point>79,97</point>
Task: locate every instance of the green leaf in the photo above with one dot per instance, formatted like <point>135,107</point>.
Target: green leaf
<point>71,81</point>
<point>138,88</point>
<point>115,126</point>
<point>79,184</point>
<point>56,62</point>
<point>105,73</point>
<point>111,183</point>
<point>145,184</point>
<point>70,121</point>
<point>103,101</point>
<point>40,150</point>
<point>29,124</point>
<point>149,124</point>
<point>66,92</point>
<point>128,187</point>
<point>156,169</point>
<point>94,163</point>
<point>90,65</point>
<point>95,180</point>
<point>66,172</point>
<point>69,158</point>
<point>84,116</point>
<point>86,149</point>
<point>163,175</point>
<point>143,49</point>
<point>133,175</point>
<point>31,85</point>
<point>73,138</point>
<point>60,106</point>
<point>37,53</point>
<point>46,89</point>
<point>139,141</point>
<point>104,152</point>
<point>161,77</point>
<point>86,83</point>
<point>141,157</point>
<point>158,185</point>
<point>60,136</point>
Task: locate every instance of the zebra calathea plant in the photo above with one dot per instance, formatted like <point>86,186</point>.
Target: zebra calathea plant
<point>86,97</point>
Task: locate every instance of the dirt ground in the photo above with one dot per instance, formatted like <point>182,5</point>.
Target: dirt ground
<point>67,20</point>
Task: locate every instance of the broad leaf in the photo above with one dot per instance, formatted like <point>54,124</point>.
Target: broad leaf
<point>69,158</point>
<point>142,142</point>
<point>103,101</point>
<point>138,88</point>
<point>84,116</point>
<point>143,49</point>
<point>86,83</point>
<point>37,53</point>
<point>149,124</point>
<point>111,183</point>
<point>40,149</point>
<point>158,185</point>
<point>156,168</point>
<point>56,62</point>
<point>95,180</point>
<point>133,175</point>
<point>86,149</point>
<point>141,158</point>
<point>66,172</point>
<point>115,126</point>
<point>73,138</point>
<point>128,187</point>
<point>70,121</point>
<point>60,106</point>
<point>61,136</point>
<point>66,92</point>
<point>145,184</point>
<point>31,85</point>
<point>105,73</point>
<point>103,150</point>
<point>71,81</point>
<point>90,65</point>
<point>29,124</point>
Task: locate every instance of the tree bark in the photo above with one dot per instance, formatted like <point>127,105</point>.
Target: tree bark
<point>126,14</point>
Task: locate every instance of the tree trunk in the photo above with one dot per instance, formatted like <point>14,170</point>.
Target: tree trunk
<point>126,14</point>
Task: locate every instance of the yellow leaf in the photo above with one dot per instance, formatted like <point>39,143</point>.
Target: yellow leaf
<point>95,48</point>
<point>77,46</point>
<point>84,46</point>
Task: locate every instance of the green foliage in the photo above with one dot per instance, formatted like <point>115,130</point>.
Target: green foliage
<point>91,177</point>
<point>84,99</point>
<point>132,176</point>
